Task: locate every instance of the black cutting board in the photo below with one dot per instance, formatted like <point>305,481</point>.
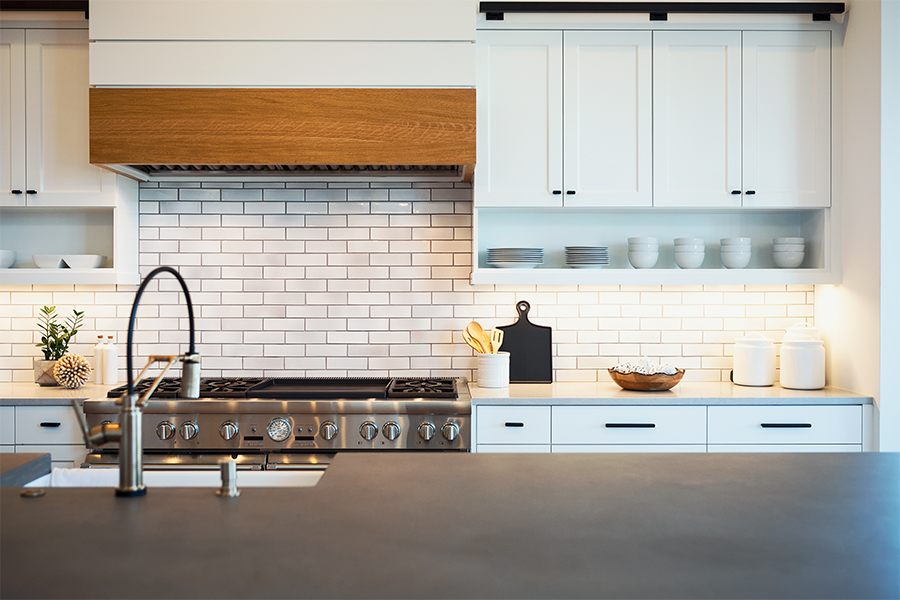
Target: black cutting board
<point>529,347</point>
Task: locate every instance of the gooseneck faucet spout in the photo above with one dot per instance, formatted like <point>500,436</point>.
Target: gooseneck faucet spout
<point>127,432</point>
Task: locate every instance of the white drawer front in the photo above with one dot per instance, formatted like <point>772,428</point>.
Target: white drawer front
<point>513,448</point>
<point>785,424</point>
<point>513,424</point>
<point>625,448</point>
<point>60,455</point>
<point>47,425</point>
<point>785,448</point>
<point>629,425</point>
<point>7,424</point>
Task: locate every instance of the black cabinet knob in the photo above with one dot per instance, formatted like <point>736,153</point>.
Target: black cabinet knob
<point>15,191</point>
<point>557,192</point>
<point>31,191</point>
<point>570,192</point>
<point>750,192</point>
<point>735,192</point>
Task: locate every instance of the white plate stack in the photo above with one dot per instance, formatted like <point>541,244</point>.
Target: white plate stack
<point>515,258</point>
<point>788,252</point>
<point>587,257</point>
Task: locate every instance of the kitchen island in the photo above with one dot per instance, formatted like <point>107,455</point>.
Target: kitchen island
<point>441,525</point>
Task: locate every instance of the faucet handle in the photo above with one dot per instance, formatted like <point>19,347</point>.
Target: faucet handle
<point>100,435</point>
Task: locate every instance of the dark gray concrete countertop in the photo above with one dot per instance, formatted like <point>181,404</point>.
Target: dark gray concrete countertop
<point>391,525</point>
<point>19,469</point>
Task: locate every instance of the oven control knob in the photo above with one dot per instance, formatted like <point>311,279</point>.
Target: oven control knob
<point>368,430</point>
<point>328,430</point>
<point>450,431</point>
<point>391,430</point>
<point>189,430</point>
<point>426,431</point>
<point>165,430</point>
<point>228,430</point>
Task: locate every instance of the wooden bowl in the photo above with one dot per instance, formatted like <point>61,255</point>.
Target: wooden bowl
<point>646,383</point>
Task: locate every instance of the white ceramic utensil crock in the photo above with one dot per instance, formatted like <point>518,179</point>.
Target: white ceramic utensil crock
<point>754,360</point>
<point>493,370</point>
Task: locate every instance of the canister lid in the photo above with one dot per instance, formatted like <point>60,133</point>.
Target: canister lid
<point>802,329</point>
<point>802,340</point>
<point>755,339</point>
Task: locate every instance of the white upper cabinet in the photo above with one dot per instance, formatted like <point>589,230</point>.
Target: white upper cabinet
<point>46,122</point>
<point>787,118</point>
<point>697,118</point>
<point>520,120</point>
<point>742,119</point>
<point>564,119</point>
<point>12,122</point>
<point>608,133</point>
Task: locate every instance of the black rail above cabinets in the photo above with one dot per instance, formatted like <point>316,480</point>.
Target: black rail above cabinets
<point>659,11</point>
<point>56,5</point>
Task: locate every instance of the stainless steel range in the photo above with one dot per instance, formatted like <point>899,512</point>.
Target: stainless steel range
<point>280,422</point>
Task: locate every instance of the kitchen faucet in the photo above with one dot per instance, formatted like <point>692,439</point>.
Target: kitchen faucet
<point>128,432</point>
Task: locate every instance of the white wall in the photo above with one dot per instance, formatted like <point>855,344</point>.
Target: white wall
<point>373,280</point>
<point>851,315</point>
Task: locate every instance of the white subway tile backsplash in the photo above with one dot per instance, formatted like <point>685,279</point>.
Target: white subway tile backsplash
<point>368,279</point>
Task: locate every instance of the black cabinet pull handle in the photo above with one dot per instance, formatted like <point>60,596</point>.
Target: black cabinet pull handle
<point>30,191</point>
<point>557,192</point>
<point>630,425</point>
<point>786,425</point>
<point>514,424</point>
<point>570,192</point>
<point>15,191</point>
<point>50,424</point>
<point>750,192</point>
<point>735,192</point>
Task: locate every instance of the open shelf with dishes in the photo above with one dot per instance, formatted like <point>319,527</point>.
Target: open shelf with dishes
<point>552,230</point>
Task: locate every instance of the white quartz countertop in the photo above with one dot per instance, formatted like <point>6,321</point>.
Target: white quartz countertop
<point>699,393</point>
<point>31,394</point>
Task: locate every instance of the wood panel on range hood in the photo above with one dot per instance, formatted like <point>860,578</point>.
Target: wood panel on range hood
<point>329,126</point>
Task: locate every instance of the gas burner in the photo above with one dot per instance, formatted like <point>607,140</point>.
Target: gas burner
<point>213,387</point>
<point>423,387</point>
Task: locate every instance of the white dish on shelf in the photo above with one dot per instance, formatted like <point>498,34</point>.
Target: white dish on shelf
<point>586,265</point>
<point>788,260</point>
<point>735,260</point>
<point>7,258</point>
<point>83,261</point>
<point>48,261</point>
<point>643,260</point>
<point>514,265</point>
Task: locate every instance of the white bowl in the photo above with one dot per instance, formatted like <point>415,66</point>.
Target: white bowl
<point>688,241</point>
<point>788,247</point>
<point>83,261</point>
<point>735,241</point>
<point>7,259</point>
<point>643,247</point>
<point>690,248</point>
<point>736,260</point>
<point>689,260</point>
<point>48,261</point>
<point>643,240</point>
<point>643,260</point>
<point>789,240</point>
<point>788,260</point>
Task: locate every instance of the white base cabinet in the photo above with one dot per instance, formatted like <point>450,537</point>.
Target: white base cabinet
<point>53,430</point>
<point>665,428</point>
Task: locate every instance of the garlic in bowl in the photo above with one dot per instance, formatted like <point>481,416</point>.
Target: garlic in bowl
<point>646,376</point>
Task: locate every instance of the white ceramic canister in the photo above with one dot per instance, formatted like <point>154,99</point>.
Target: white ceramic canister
<point>754,360</point>
<point>802,329</point>
<point>493,370</point>
<point>803,363</point>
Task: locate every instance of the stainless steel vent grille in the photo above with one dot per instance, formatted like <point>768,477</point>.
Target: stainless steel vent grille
<point>292,172</point>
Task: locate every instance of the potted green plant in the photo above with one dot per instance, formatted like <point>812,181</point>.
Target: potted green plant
<point>55,337</point>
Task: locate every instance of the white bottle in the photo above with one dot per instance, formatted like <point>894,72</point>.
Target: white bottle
<point>110,362</point>
<point>98,360</point>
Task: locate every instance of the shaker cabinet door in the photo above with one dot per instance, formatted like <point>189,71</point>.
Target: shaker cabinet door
<point>57,121</point>
<point>12,117</point>
<point>519,100</point>
<point>697,118</point>
<point>787,118</point>
<point>608,118</point>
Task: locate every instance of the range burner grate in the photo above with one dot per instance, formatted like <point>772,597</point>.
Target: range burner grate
<point>213,387</point>
<point>429,387</point>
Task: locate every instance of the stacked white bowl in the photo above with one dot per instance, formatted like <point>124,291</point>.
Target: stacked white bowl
<point>643,252</point>
<point>689,252</point>
<point>735,252</point>
<point>788,252</point>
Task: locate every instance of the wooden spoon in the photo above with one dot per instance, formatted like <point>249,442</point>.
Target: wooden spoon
<point>472,342</point>
<point>478,334</point>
